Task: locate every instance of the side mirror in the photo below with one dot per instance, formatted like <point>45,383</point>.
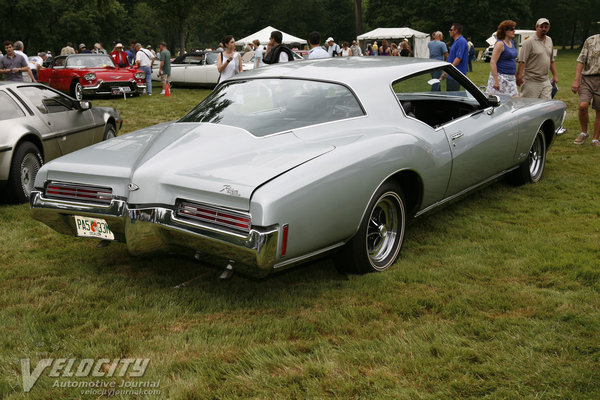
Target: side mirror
<point>83,105</point>
<point>493,100</point>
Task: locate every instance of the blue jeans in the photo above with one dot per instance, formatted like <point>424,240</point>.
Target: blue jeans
<point>148,73</point>
<point>436,87</point>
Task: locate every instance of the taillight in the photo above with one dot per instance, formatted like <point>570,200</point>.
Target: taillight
<point>214,215</point>
<point>73,191</point>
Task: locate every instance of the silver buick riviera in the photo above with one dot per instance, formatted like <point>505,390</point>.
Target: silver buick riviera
<point>294,161</point>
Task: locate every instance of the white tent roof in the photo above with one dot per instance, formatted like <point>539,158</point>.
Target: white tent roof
<point>265,34</point>
<point>420,39</point>
<point>391,33</point>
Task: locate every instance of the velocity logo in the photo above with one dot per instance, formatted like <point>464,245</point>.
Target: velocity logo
<point>71,367</point>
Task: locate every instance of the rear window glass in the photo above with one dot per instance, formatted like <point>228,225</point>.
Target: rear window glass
<point>266,106</point>
<point>8,108</point>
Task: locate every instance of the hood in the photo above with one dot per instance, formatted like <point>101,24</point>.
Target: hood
<point>203,162</point>
<point>215,164</point>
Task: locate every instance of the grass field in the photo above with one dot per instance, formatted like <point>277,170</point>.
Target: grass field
<point>493,297</point>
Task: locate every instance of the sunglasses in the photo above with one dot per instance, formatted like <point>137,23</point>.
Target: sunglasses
<point>510,29</point>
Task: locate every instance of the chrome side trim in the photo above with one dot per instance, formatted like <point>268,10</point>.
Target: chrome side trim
<point>306,257</point>
<point>464,191</point>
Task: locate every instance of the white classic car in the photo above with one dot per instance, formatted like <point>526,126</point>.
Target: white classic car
<point>195,69</point>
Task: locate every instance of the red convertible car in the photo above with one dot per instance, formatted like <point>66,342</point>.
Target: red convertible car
<point>92,74</point>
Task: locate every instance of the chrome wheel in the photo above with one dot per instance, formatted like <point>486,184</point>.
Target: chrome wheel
<point>77,91</point>
<point>385,229</point>
<point>378,241</point>
<point>30,165</point>
<point>536,157</point>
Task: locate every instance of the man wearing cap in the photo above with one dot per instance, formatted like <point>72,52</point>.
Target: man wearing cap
<point>83,49</point>
<point>119,57</point>
<point>332,48</point>
<point>144,60</point>
<point>536,58</point>
<point>587,84</point>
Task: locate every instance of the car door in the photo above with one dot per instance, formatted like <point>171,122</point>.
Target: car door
<point>482,138</point>
<point>74,128</point>
<point>59,78</point>
<point>210,68</point>
<point>195,70</point>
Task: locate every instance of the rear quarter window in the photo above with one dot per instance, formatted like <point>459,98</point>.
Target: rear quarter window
<point>8,108</point>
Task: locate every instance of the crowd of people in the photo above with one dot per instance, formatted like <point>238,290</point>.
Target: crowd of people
<point>510,68</point>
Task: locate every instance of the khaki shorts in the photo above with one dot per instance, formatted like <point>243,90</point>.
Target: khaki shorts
<point>165,78</point>
<point>590,90</point>
<point>537,90</point>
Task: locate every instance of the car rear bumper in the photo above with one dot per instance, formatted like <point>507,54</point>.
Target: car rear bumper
<point>155,229</point>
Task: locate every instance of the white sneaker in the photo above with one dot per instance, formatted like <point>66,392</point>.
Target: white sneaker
<point>581,138</point>
<point>163,92</point>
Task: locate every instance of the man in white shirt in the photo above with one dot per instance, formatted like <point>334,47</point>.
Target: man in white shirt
<point>144,60</point>
<point>316,50</point>
<point>332,48</point>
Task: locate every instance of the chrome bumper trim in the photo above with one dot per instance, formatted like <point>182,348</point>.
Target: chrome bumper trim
<point>157,229</point>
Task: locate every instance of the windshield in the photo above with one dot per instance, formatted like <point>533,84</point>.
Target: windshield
<point>266,106</point>
<point>90,61</point>
<point>211,58</point>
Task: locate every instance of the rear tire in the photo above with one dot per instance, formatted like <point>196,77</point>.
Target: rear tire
<point>378,242</point>
<point>24,167</point>
<point>532,169</point>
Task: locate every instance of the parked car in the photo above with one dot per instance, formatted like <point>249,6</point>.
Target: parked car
<point>197,68</point>
<point>291,162</point>
<point>520,36</point>
<point>92,74</point>
<point>39,124</point>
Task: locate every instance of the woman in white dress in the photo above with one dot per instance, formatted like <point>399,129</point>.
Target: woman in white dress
<point>229,61</point>
<point>346,51</point>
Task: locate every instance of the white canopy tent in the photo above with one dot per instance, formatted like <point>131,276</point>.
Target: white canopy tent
<point>419,39</point>
<point>265,34</point>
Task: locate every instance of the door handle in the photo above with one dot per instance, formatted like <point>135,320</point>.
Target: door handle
<point>457,135</point>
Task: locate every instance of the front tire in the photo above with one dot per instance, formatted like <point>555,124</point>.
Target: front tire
<point>532,169</point>
<point>24,167</point>
<point>77,90</point>
<point>378,242</point>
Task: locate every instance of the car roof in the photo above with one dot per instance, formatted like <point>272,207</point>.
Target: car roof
<point>354,71</point>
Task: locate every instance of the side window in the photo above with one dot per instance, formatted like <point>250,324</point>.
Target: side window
<point>435,97</point>
<point>8,108</point>
<point>193,60</point>
<point>46,100</point>
<point>59,63</point>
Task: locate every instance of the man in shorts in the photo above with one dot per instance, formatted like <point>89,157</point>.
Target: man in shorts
<point>536,58</point>
<point>587,84</point>
<point>165,67</point>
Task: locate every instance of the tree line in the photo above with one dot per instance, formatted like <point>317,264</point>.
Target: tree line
<point>186,24</point>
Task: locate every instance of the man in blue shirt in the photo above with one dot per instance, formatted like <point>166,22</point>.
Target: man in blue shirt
<point>459,55</point>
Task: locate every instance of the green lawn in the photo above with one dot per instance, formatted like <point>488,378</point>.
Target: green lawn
<point>493,297</point>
